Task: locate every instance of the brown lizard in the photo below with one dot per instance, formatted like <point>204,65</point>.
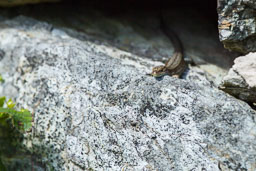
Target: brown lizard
<point>176,65</point>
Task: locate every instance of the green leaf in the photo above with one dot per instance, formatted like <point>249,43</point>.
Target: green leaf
<point>10,104</point>
<point>3,118</point>
<point>2,100</point>
<point>1,79</point>
<point>20,118</point>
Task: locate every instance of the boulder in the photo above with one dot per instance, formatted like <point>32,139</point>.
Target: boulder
<point>237,27</point>
<point>241,78</point>
<point>95,107</point>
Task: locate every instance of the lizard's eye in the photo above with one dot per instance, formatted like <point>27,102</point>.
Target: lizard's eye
<point>158,71</point>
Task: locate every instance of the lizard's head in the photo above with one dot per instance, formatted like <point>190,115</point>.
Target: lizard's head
<point>158,71</point>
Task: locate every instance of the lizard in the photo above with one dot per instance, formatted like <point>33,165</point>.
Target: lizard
<point>176,64</point>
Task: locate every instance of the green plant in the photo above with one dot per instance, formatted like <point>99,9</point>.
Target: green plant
<point>1,79</point>
<point>11,117</point>
<point>20,119</point>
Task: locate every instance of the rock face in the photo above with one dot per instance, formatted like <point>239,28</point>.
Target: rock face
<point>237,24</point>
<point>241,79</point>
<point>96,109</point>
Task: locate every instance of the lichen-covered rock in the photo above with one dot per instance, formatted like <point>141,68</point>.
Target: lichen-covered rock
<point>237,26</point>
<point>96,109</point>
<point>241,79</point>
<point>9,3</point>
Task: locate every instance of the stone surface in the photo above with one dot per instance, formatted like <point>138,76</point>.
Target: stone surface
<point>237,24</point>
<point>9,3</point>
<point>241,79</point>
<point>96,109</point>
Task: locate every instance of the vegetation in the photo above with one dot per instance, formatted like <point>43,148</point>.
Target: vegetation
<point>1,79</point>
<point>19,119</point>
<point>11,118</point>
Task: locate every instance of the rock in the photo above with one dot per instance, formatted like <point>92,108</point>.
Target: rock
<point>9,3</point>
<point>237,24</point>
<point>96,109</point>
<point>241,79</point>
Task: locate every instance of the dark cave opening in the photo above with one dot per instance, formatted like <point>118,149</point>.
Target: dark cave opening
<point>195,22</point>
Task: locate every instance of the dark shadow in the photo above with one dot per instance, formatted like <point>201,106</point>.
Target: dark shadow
<point>134,26</point>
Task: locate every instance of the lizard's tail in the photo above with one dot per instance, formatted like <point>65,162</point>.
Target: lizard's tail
<point>171,34</point>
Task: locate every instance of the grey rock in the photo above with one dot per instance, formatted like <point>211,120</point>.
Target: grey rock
<point>237,24</point>
<point>96,109</point>
<point>241,79</point>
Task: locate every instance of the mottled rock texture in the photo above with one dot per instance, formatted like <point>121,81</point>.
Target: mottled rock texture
<point>237,26</point>
<point>241,79</point>
<point>96,109</point>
